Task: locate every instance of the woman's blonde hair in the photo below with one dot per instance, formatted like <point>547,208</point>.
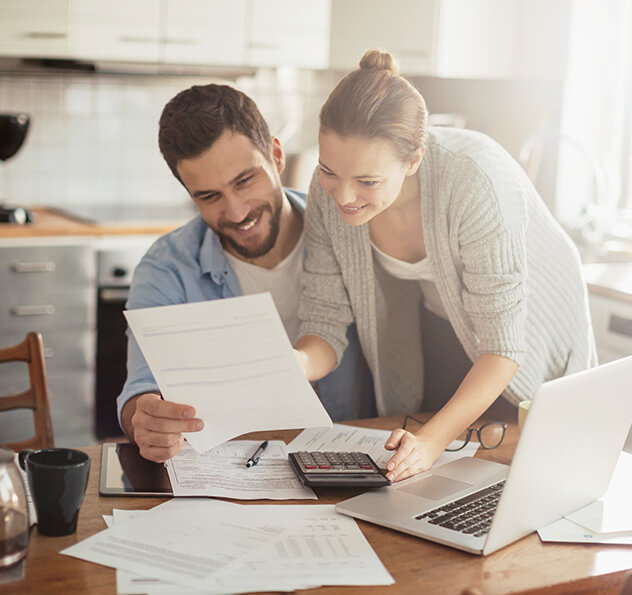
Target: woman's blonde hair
<point>375,101</point>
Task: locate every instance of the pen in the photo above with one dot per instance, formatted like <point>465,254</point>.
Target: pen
<point>254,459</point>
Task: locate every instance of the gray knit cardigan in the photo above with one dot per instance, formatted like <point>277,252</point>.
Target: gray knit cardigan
<point>508,275</point>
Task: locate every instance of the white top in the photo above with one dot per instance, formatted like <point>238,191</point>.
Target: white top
<point>283,282</point>
<point>421,271</point>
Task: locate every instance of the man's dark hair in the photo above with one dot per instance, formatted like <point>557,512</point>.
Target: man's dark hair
<point>196,117</point>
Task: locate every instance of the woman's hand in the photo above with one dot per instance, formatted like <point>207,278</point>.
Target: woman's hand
<point>414,454</point>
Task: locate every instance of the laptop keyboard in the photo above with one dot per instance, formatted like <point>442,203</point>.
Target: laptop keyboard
<point>471,514</point>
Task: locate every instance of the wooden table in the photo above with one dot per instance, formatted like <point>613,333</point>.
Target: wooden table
<point>417,566</point>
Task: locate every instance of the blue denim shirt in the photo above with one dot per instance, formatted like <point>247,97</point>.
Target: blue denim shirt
<point>188,265</point>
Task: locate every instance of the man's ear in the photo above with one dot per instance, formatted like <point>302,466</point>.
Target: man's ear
<point>415,162</point>
<point>278,156</point>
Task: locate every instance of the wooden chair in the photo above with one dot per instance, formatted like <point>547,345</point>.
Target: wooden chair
<point>36,397</point>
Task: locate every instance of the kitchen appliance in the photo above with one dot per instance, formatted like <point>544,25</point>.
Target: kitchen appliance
<point>13,131</point>
<point>117,257</point>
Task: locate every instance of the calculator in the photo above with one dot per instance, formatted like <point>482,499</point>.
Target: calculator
<point>337,469</point>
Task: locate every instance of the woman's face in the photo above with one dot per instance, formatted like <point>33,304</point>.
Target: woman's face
<point>363,175</point>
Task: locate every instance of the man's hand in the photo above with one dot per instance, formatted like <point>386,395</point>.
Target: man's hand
<point>156,426</point>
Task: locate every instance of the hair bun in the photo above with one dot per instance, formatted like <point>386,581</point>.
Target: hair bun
<point>379,59</point>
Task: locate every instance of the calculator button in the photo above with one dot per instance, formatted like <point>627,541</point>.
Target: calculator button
<point>324,466</point>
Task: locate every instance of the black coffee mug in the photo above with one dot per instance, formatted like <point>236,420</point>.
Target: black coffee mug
<point>58,478</point>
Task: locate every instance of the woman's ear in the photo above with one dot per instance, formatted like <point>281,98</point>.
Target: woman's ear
<point>415,162</point>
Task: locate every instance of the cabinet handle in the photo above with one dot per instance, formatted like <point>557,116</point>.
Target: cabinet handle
<point>114,295</point>
<point>137,39</point>
<point>43,310</point>
<point>45,35</point>
<point>263,46</point>
<point>33,267</point>
<point>179,41</point>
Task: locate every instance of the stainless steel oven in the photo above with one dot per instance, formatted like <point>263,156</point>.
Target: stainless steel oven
<point>117,257</point>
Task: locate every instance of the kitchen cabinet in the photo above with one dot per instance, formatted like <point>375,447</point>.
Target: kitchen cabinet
<point>49,286</point>
<point>610,296</point>
<point>477,39</point>
<point>34,28</point>
<point>289,33</point>
<point>204,32</point>
<point>189,32</point>
<point>116,30</point>
<point>405,28</point>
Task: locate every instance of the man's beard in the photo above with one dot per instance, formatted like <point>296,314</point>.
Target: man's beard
<point>269,241</point>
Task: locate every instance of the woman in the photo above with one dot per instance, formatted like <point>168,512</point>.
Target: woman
<point>462,285</point>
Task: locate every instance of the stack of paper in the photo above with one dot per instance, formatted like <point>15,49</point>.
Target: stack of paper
<point>209,546</point>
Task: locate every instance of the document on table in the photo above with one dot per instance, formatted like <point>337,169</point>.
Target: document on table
<point>231,359</point>
<point>189,545</point>
<point>607,520</point>
<point>221,472</point>
<point>323,548</point>
<point>340,438</point>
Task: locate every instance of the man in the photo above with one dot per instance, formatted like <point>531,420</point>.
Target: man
<point>248,238</point>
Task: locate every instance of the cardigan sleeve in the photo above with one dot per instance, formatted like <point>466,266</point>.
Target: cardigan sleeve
<point>324,308</point>
<point>493,255</point>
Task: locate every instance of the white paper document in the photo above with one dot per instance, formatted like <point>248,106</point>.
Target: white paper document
<point>613,512</point>
<point>566,531</point>
<point>189,544</point>
<point>323,548</point>
<point>221,472</point>
<point>340,438</point>
<point>231,359</point>
<point>607,520</point>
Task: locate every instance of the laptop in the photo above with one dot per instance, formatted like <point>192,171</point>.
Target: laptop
<point>564,460</point>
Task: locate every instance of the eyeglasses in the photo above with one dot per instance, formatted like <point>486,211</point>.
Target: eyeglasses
<point>490,435</point>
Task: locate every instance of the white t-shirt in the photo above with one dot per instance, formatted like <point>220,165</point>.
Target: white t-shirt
<point>421,271</point>
<point>283,282</point>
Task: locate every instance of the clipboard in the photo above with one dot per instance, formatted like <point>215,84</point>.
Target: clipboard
<point>124,472</point>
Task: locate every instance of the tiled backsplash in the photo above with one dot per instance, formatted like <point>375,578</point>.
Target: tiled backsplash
<point>93,138</point>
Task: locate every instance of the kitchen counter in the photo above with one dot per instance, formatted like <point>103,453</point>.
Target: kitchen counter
<point>613,280</point>
<point>51,222</point>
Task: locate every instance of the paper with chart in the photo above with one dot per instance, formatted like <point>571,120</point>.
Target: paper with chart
<point>230,359</point>
<point>340,438</point>
<point>221,473</point>
<point>322,548</point>
<point>190,544</point>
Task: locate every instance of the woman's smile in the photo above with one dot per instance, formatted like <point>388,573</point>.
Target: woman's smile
<point>349,210</point>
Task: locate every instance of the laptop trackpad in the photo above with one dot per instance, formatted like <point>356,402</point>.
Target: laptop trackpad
<point>435,487</point>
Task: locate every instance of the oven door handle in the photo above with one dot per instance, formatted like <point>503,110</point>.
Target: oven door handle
<point>118,294</point>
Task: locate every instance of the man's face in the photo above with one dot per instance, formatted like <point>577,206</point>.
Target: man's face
<point>238,193</point>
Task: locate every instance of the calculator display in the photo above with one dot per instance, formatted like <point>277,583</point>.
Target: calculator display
<point>330,469</point>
